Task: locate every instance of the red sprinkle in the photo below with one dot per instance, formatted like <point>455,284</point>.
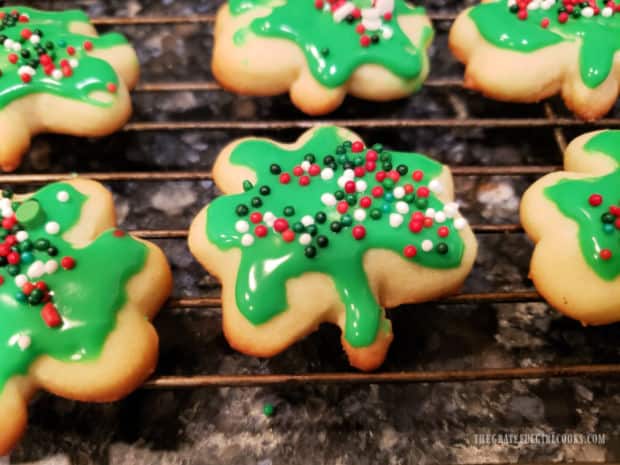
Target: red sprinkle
<point>394,175</point>
<point>428,222</point>
<point>409,189</point>
<point>371,165</point>
<point>68,263</point>
<point>364,41</point>
<point>23,19</point>
<point>40,285</point>
<point>349,187</point>
<point>280,225</point>
<point>595,200</point>
<point>387,16</point>
<point>563,17</point>
<point>304,180</point>
<point>13,258</point>
<point>318,4</point>
<point>285,178</point>
<point>27,288</point>
<point>377,191</point>
<point>605,254</point>
<point>443,231</point>
<point>88,45</point>
<point>416,226</point>
<point>112,87</point>
<point>256,217</point>
<point>50,315</point>
<point>359,171</point>
<point>360,29</point>
<point>410,251</point>
<point>380,176</point>
<point>418,216</point>
<point>417,175</point>
<point>26,78</point>
<point>342,207</point>
<point>423,191</point>
<point>298,171</point>
<point>119,233</point>
<point>357,146</point>
<point>371,155</point>
<point>71,50</point>
<point>545,23</point>
<point>314,170</point>
<point>26,33</point>
<point>8,223</point>
<point>359,232</point>
<point>13,58</point>
<point>288,235</point>
<point>365,202</point>
<point>260,230</point>
<point>522,14</point>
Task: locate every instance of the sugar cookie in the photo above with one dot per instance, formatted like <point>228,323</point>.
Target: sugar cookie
<point>328,230</point>
<point>574,218</point>
<point>76,295</point>
<point>321,50</point>
<point>528,50</point>
<point>57,75</point>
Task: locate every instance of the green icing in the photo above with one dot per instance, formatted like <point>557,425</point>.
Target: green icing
<point>87,297</point>
<point>599,36</point>
<point>333,49</point>
<point>270,261</point>
<point>91,74</point>
<point>597,229</point>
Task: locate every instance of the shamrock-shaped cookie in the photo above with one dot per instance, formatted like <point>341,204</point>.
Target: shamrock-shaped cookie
<point>328,229</point>
<point>574,218</point>
<point>57,75</point>
<point>528,50</point>
<point>320,50</point>
<point>76,295</point>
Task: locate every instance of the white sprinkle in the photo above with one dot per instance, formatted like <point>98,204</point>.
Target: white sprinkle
<point>361,185</point>
<point>305,239</point>
<point>427,245</point>
<point>587,12</point>
<point>349,173</point>
<point>26,70</point>
<point>62,196</point>
<point>307,220</point>
<point>607,12</point>
<point>387,33</point>
<point>247,240</point>
<point>384,6</point>
<point>7,212</point>
<point>23,341</point>
<point>344,11</point>
<point>399,192</point>
<point>51,227</point>
<point>372,24</point>
<point>36,270</point>
<point>435,186</point>
<point>402,207</point>
<point>57,74</point>
<point>372,13</point>
<point>359,214</point>
<point>8,43</point>
<point>342,180</point>
<point>430,212</point>
<point>327,174</point>
<point>451,209</point>
<point>535,5</point>
<point>51,266</point>
<point>460,223</point>
<point>5,203</point>
<point>21,236</point>
<point>440,217</point>
<point>396,220</point>
<point>512,2</point>
<point>35,39</point>
<point>20,280</point>
<point>16,46</point>
<point>242,226</point>
<point>305,165</point>
<point>328,200</point>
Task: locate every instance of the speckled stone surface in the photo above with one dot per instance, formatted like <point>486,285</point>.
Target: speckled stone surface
<point>313,424</point>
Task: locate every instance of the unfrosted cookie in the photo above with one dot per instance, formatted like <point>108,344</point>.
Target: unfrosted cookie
<point>574,218</point>
<point>328,230</point>
<point>57,75</point>
<point>76,296</point>
<point>528,50</point>
<point>320,50</point>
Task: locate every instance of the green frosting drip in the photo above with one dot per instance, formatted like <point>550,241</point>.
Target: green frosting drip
<point>91,74</point>
<point>270,261</point>
<point>596,231</point>
<point>599,36</point>
<point>87,297</point>
<point>333,49</point>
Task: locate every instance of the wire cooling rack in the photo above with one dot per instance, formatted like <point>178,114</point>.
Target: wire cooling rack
<point>550,121</point>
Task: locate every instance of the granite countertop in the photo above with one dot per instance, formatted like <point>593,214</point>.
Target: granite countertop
<point>349,424</point>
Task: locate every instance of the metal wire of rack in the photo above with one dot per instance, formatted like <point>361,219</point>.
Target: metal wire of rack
<point>550,120</point>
